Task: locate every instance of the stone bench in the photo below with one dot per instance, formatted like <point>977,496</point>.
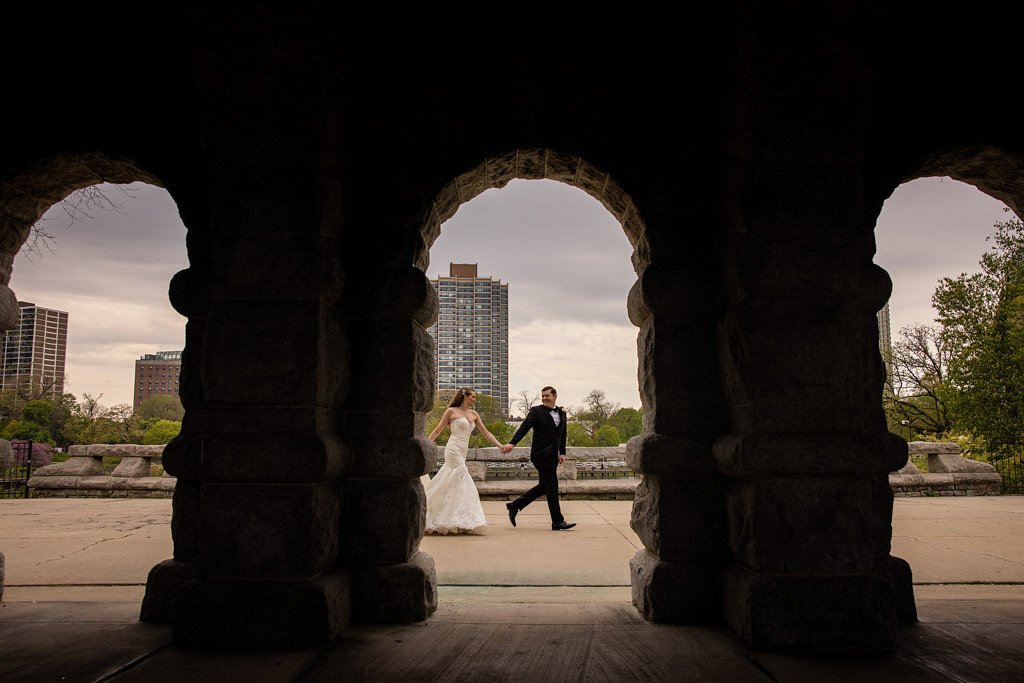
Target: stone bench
<point>949,473</point>
<point>82,474</point>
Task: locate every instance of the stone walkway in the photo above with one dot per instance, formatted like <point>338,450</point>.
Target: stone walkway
<point>523,604</point>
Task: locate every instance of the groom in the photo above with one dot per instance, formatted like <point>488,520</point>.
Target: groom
<point>546,451</point>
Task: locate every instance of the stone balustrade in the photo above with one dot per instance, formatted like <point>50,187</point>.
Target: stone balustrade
<point>487,465</point>
<point>82,474</point>
<point>949,473</point>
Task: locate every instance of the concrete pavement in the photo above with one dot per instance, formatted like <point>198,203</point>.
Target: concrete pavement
<point>76,569</point>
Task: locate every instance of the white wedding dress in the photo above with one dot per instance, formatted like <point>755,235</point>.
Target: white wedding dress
<point>453,505</point>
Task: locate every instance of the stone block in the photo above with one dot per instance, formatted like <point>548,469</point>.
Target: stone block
<point>566,470</point>
<point>132,467</point>
<point>679,519</point>
<point>164,582</point>
<point>477,470</point>
<point>393,458</point>
<point>810,526</point>
<point>278,615</point>
<point>6,455</point>
<point>391,292</point>
<point>285,265</point>
<point>154,453</point>
<point>2,573</point>
<point>267,530</point>
<point>114,450</point>
<point>189,292</point>
<point>78,450</point>
<point>383,519</point>
<point>185,520</point>
<point>282,339</point>
<point>398,424</point>
<point>898,573</point>
<point>387,367</point>
<point>258,444</point>
<point>849,614</point>
<point>679,456</point>
<point>770,454</point>
<point>949,463</point>
<point>678,375</point>
<point>74,466</point>
<point>687,592</point>
<point>929,447</point>
<point>395,593</point>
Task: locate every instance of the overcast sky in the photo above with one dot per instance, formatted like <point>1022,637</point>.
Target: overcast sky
<point>565,258</point>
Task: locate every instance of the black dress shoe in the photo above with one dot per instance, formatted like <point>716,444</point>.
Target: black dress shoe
<point>512,512</point>
<point>562,526</point>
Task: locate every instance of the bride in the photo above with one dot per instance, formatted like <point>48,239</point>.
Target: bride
<point>453,505</point>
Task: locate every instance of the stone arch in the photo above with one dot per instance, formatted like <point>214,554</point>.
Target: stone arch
<point>28,193</point>
<point>994,170</point>
<point>536,163</point>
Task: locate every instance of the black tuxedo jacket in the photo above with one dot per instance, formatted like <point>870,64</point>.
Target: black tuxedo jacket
<point>548,440</point>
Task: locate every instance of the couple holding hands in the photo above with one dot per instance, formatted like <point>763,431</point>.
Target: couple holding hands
<point>453,504</point>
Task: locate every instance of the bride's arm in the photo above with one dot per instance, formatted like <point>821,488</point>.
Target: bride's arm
<point>483,430</point>
<point>445,419</point>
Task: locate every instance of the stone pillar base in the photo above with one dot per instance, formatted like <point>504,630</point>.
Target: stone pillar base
<point>686,592</point>
<point>281,615</point>
<point>848,614</point>
<point>164,582</point>
<point>897,572</point>
<point>392,593</point>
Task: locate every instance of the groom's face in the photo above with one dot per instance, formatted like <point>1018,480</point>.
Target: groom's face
<point>548,398</point>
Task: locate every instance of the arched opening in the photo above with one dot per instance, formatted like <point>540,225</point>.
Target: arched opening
<point>949,374</point>
<point>547,305</point>
<point>99,273</point>
<point>678,511</point>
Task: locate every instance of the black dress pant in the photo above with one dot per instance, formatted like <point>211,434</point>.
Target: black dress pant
<point>547,470</point>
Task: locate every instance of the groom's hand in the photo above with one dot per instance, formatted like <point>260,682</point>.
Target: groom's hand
<point>561,459</point>
<point>506,449</point>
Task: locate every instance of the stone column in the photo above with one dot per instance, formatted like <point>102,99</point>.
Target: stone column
<point>259,462</point>
<point>678,512</point>
<point>387,307</point>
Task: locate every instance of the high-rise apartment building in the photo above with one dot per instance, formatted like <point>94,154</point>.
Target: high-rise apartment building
<point>156,374</point>
<point>471,333</point>
<point>885,338</point>
<point>35,352</point>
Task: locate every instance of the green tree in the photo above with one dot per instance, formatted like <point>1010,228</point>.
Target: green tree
<point>607,436</point>
<point>596,411</point>
<point>161,408</point>
<point>161,432</point>
<point>576,435</point>
<point>501,431</point>
<point>628,421</point>
<point>916,395</point>
<point>982,319</point>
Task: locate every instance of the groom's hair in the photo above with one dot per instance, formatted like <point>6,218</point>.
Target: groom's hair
<point>551,389</point>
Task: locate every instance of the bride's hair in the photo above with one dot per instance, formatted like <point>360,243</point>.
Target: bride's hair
<point>459,397</point>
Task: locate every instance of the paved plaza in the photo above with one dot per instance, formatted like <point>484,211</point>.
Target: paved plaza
<point>521,602</point>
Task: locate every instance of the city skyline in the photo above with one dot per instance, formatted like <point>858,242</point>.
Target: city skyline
<point>568,326</point>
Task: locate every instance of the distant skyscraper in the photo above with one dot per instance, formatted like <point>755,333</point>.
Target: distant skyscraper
<point>35,352</point>
<point>885,335</point>
<point>156,374</point>
<point>471,333</point>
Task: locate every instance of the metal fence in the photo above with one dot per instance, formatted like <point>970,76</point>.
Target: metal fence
<point>1007,459</point>
<point>14,473</point>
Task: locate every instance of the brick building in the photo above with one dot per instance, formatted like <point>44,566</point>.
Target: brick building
<point>156,374</point>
